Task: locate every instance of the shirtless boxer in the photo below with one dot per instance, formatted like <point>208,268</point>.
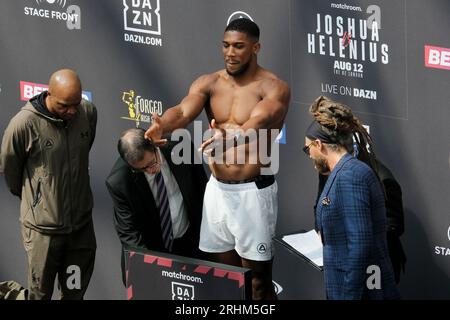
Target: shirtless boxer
<point>240,204</point>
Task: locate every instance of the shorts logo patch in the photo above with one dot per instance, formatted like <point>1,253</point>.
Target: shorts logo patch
<point>262,248</point>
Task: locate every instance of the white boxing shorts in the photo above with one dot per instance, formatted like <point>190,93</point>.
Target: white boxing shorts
<point>240,216</point>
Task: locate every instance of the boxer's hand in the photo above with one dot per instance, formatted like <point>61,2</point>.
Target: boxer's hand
<point>155,131</point>
<point>217,135</point>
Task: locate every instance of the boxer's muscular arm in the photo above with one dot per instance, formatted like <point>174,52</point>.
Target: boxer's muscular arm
<point>272,109</point>
<point>185,112</point>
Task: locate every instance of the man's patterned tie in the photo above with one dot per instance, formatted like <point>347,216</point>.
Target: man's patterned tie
<point>164,212</point>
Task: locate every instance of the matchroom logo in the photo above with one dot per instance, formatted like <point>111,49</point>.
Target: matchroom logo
<point>142,21</point>
<point>140,109</point>
<point>437,57</point>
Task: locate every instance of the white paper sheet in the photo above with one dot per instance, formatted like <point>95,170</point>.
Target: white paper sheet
<point>308,244</point>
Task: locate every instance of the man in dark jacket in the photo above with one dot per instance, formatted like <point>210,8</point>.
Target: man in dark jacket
<point>395,218</point>
<point>45,159</point>
<point>135,183</point>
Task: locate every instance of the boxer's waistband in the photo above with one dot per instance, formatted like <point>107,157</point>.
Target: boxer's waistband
<point>260,178</point>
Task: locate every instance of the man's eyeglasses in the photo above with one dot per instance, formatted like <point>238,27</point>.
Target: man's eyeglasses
<point>306,148</point>
<point>150,165</point>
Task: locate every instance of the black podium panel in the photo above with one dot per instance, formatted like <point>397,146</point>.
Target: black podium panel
<point>154,275</point>
<point>296,277</point>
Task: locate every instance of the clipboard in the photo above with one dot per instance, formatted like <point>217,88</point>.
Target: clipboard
<point>279,239</point>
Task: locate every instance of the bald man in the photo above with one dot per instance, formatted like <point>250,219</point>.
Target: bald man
<point>44,157</point>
